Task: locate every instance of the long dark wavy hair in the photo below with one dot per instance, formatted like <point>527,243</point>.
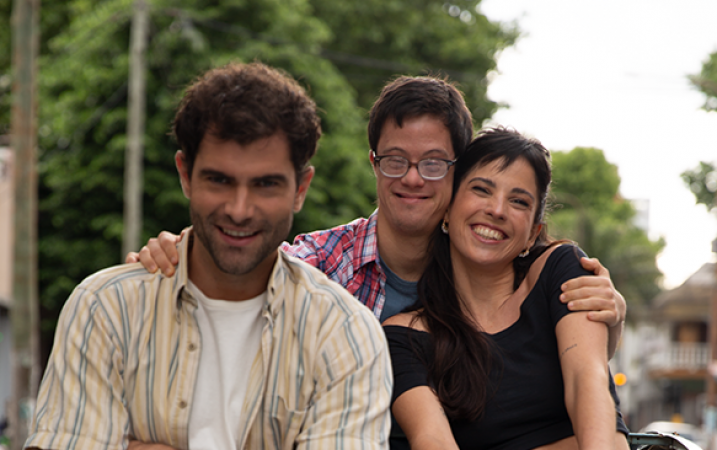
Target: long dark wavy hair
<point>460,369</point>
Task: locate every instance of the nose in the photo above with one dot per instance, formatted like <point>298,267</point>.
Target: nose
<point>412,177</point>
<point>496,207</point>
<point>239,207</point>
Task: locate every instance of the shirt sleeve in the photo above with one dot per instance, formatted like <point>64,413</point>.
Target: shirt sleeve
<point>80,403</point>
<point>353,390</point>
<point>306,248</point>
<point>409,369</point>
<point>562,265</point>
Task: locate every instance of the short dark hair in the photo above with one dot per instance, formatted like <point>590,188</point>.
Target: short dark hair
<point>246,102</point>
<point>508,145</point>
<point>409,97</point>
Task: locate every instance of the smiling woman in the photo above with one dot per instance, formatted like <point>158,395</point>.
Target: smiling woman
<point>491,219</point>
<point>489,327</point>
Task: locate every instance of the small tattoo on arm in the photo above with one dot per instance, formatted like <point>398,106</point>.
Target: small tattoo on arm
<point>568,349</point>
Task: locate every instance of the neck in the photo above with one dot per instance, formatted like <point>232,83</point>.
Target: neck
<point>216,284</point>
<point>407,256</point>
<point>485,290</point>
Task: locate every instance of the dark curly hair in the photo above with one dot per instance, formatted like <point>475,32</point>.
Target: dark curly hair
<point>246,102</point>
<point>409,97</point>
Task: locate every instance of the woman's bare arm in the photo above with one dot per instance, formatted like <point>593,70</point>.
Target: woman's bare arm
<point>598,296</point>
<point>421,417</point>
<point>583,358</point>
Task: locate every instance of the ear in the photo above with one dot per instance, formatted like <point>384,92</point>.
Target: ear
<point>535,233</point>
<point>184,175</point>
<point>373,164</point>
<point>303,188</point>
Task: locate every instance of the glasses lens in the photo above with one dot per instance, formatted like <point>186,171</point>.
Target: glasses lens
<point>432,168</point>
<point>393,166</point>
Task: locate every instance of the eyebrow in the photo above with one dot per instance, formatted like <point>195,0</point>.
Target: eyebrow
<point>272,177</point>
<point>268,177</point>
<point>426,154</point>
<point>490,183</point>
<point>212,172</point>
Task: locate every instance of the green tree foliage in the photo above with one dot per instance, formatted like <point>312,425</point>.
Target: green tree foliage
<point>373,40</point>
<point>702,181</point>
<point>589,210</point>
<point>342,51</point>
<point>83,121</point>
<point>706,82</point>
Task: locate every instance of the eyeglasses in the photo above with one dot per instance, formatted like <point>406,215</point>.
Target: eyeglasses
<point>430,169</point>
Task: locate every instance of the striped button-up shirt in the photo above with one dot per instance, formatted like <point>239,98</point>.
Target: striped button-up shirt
<point>348,254</point>
<point>126,358</point>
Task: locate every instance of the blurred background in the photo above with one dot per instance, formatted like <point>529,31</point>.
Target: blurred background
<point>624,94</point>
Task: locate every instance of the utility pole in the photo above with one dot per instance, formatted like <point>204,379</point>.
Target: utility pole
<point>24,312</point>
<point>133,173</point>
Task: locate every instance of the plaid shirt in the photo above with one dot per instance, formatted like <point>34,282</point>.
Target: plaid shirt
<point>347,254</point>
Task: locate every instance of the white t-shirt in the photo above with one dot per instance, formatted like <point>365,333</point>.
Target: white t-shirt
<point>231,337</point>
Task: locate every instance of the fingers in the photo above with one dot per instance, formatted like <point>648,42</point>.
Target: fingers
<point>607,317</point>
<point>587,286</point>
<point>145,257</point>
<point>167,245</point>
<point>595,294</point>
<point>157,255</point>
<point>132,257</point>
<point>596,287</point>
<point>600,310</point>
<point>589,281</point>
<point>593,265</point>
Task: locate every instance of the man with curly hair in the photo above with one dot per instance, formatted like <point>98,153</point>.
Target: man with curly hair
<point>243,346</point>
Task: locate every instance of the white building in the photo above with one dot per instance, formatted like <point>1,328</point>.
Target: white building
<point>665,354</point>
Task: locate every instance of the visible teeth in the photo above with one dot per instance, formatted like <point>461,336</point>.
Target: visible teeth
<point>488,233</point>
<point>236,233</point>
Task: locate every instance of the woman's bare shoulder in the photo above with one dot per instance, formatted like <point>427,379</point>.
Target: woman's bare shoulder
<point>408,320</point>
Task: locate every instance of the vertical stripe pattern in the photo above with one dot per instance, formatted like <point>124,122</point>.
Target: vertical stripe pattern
<point>126,358</point>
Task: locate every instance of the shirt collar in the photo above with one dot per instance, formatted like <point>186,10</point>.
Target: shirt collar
<point>276,289</point>
<point>369,248</point>
<point>274,299</point>
<point>181,275</point>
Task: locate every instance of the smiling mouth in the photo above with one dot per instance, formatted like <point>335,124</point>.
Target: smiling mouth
<point>238,234</point>
<point>412,197</point>
<point>488,233</point>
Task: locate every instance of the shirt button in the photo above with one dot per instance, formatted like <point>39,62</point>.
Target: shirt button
<point>192,347</point>
<point>182,404</point>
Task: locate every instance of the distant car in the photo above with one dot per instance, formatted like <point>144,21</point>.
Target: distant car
<point>686,430</point>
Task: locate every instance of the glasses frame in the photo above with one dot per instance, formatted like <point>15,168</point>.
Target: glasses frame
<point>377,160</point>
